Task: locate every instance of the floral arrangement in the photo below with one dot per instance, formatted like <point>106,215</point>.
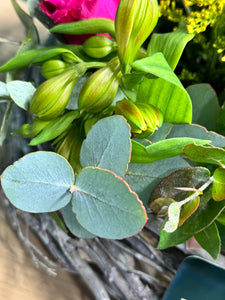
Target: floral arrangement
<point>126,139</point>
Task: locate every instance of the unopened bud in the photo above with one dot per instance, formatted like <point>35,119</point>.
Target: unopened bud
<point>101,87</point>
<point>135,20</point>
<point>53,67</point>
<point>33,128</point>
<point>99,46</point>
<point>51,97</point>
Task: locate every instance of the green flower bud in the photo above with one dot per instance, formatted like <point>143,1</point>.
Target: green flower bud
<point>51,97</point>
<point>98,46</point>
<point>152,116</point>
<point>133,115</point>
<point>53,67</point>
<point>135,20</point>
<point>69,147</point>
<point>101,87</point>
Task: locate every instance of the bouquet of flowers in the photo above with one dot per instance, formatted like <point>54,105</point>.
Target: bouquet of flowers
<point>124,140</point>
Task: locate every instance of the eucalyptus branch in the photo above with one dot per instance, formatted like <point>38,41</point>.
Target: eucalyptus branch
<point>6,121</point>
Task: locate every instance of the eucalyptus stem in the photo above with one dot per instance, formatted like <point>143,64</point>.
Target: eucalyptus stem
<point>6,122</point>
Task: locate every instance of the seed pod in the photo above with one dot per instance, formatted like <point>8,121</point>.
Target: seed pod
<point>53,67</point>
<point>99,46</point>
<point>101,87</point>
<point>51,97</point>
<point>133,115</point>
<point>135,20</point>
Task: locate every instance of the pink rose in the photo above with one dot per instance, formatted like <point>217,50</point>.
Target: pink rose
<point>66,11</point>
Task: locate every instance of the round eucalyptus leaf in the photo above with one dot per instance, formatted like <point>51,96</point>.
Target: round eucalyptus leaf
<point>39,182</point>
<point>73,225</point>
<point>108,145</point>
<point>105,205</point>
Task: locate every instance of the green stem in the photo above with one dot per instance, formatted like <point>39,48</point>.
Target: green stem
<point>6,122</point>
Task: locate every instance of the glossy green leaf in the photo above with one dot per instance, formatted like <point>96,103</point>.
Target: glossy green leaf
<point>105,205</point>
<point>170,44</point>
<point>188,209</point>
<point>36,56</point>
<point>73,225</point>
<point>218,190</point>
<point>143,178</point>
<point>220,125</point>
<point>203,154</point>
<point>209,239</point>
<point>38,182</point>
<point>198,132</point>
<point>108,145</point>
<point>205,106</point>
<point>203,216</point>
<point>171,186</point>
<point>163,89</point>
<point>162,149</point>
<point>21,92</point>
<point>172,239</point>
<point>87,26</point>
<point>55,128</point>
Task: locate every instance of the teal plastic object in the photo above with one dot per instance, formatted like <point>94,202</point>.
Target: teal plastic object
<point>197,279</point>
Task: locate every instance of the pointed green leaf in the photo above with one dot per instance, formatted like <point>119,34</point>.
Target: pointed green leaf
<point>73,225</point>
<point>218,190</point>
<point>209,240</point>
<point>108,145</point>
<point>188,209</point>
<point>105,205</point>
<point>203,154</point>
<point>170,44</point>
<point>21,92</point>
<point>162,149</point>
<point>87,26</point>
<point>205,105</point>
<point>38,182</point>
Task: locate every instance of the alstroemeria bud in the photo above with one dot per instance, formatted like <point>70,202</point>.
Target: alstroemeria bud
<point>69,147</point>
<point>53,67</point>
<point>99,46</point>
<point>135,20</point>
<point>101,87</point>
<point>152,116</point>
<point>133,115</point>
<point>51,97</point>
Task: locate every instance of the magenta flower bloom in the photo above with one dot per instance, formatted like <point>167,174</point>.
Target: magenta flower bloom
<point>66,11</point>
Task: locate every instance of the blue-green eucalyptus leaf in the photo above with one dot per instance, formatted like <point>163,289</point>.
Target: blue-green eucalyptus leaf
<point>39,182</point>
<point>21,92</point>
<point>73,225</point>
<point>105,205</point>
<point>108,145</point>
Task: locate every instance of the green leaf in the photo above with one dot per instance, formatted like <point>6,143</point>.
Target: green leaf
<point>163,90</point>
<point>87,26</point>
<point>205,106</point>
<point>36,56</point>
<point>160,206</point>
<point>172,239</point>
<point>198,132</point>
<point>170,44</point>
<point>20,92</point>
<point>204,216</point>
<point>108,145</point>
<point>38,182</point>
<point>220,124</point>
<point>218,190</point>
<point>209,240</point>
<point>203,154</point>
<point>162,149</point>
<point>73,225</point>
<point>143,178</point>
<point>105,205</point>
<point>173,217</point>
<point>188,209</point>
<point>170,186</point>
<point>55,128</point>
